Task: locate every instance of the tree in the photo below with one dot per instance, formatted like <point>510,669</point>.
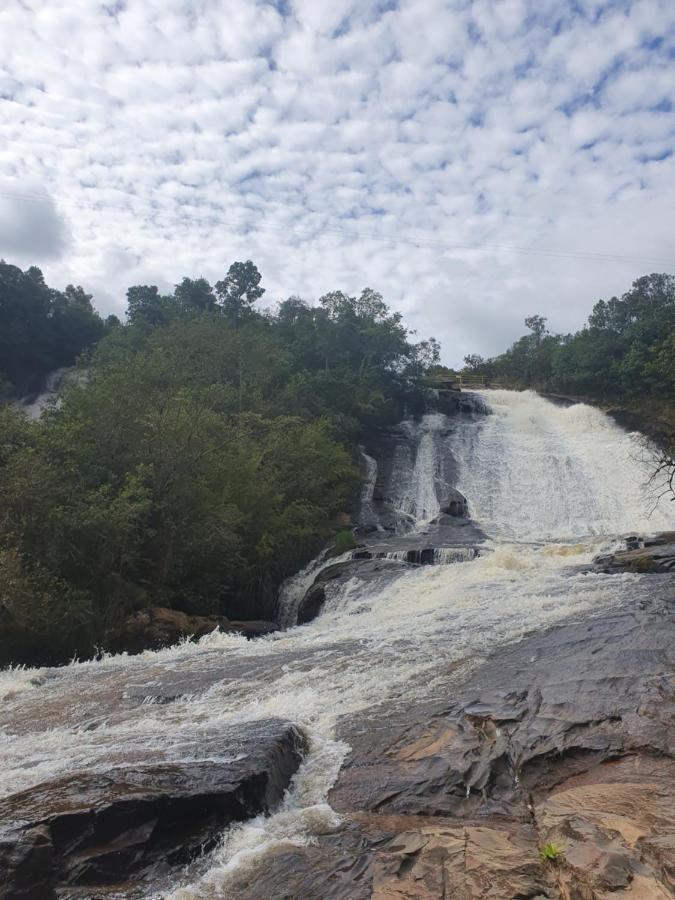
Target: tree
<point>474,362</point>
<point>239,290</point>
<point>147,308</point>
<point>537,325</point>
<point>41,329</point>
<point>195,296</point>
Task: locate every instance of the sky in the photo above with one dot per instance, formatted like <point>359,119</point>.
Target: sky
<point>475,162</point>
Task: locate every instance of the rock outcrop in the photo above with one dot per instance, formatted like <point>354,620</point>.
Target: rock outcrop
<point>137,821</point>
<point>455,505</point>
<point>565,738</point>
<point>364,566</point>
<point>655,554</point>
<point>155,627</point>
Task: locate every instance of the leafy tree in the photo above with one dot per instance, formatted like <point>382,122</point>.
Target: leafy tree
<point>239,290</point>
<point>206,457</point>
<point>537,325</point>
<point>474,362</point>
<point>195,296</point>
<point>147,308</point>
<point>41,329</point>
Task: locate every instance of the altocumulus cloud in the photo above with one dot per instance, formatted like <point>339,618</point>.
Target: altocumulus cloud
<point>474,161</point>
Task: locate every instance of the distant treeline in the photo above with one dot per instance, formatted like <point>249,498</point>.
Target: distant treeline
<point>625,351</point>
<point>209,452</point>
<point>624,357</point>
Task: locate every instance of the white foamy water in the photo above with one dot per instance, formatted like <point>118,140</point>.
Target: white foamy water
<point>534,470</point>
<point>419,477</point>
<point>372,647</point>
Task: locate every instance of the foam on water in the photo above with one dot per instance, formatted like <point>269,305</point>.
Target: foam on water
<point>373,646</point>
<point>534,470</point>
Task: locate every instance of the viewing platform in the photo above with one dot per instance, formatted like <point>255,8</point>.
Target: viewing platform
<point>460,382</point>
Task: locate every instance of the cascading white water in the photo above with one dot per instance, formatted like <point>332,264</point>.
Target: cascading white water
<point>368,517</point>
<point>572,472</point>
<point>418,479</point>
<point>534,470</point>
<point>35,405</point>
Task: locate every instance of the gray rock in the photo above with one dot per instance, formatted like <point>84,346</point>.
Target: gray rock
<point>654,554</point>
<point>137,821</point>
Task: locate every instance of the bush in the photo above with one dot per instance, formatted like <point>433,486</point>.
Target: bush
<point>344,541</point>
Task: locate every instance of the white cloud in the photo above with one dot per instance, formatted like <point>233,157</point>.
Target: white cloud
<point>403,145</point>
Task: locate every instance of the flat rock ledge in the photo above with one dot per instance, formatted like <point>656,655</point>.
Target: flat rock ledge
<point>90,830</point>
<point>565,738</point>
<point>642,555</point>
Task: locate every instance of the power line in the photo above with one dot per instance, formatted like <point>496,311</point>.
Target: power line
<point>416,241</point>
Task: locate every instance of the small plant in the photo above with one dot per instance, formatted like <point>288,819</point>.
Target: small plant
<point>344,541</point>
<point>550,852</point>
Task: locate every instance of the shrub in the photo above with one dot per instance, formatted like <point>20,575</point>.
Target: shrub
<point>344,541</point>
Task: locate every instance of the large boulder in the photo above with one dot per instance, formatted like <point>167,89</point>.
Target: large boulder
<point>136,821</point>
<point>314,599</point>
<point>364,566</point>
<point>455,505</point>
<point>157,626</point>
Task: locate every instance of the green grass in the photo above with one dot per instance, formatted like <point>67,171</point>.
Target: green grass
<point>550,852</point>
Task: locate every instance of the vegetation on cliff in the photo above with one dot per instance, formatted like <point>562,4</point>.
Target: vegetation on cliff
<point>205,457</point>
<point>41,329</point>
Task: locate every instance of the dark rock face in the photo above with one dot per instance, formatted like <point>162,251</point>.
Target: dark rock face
<point>160,627</point>
<point>656,554</point>
<point>138,821</point>
<point>566,737</point>
<point>456,505</point>
<point>363,566</point>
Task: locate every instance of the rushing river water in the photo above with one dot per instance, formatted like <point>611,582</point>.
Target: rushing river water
<point>550,485</point>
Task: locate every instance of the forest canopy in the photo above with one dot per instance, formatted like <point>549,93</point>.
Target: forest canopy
<point>41,329</point>
<point>625,350</point>
<point>207,452</point>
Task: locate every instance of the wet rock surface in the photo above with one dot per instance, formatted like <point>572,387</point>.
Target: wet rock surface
<point>364,568</point>
<point>564,738</point>
<point>643,555</point>
<point>136,822</point>
<point>160,627</point>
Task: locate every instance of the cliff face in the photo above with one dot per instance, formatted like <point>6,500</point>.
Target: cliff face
<point>410,513</point>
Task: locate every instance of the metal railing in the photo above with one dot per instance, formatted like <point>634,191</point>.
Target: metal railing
<point>460,380</point>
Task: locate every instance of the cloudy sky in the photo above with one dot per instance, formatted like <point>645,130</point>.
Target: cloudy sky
<point>476,162</point>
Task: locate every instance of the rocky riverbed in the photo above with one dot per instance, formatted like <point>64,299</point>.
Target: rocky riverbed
<point>462,699</point>
<point>564,739</point>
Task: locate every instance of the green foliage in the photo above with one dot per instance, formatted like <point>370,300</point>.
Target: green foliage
<point>239,290</point>
<point>205,459</point>
<point>550,852</point>
<point>344,542</point>
<point>625,350</point>
<point>624,355</point>
<point>41,329</point>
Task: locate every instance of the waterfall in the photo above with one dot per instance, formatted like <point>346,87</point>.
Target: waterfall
<point>535,475</point>
<point>534,470</point>
<point>35,404</point>
<point>419,479</point>
<point>368,517</point>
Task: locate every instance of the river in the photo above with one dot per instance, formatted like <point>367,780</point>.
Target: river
<point>550,486</point>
